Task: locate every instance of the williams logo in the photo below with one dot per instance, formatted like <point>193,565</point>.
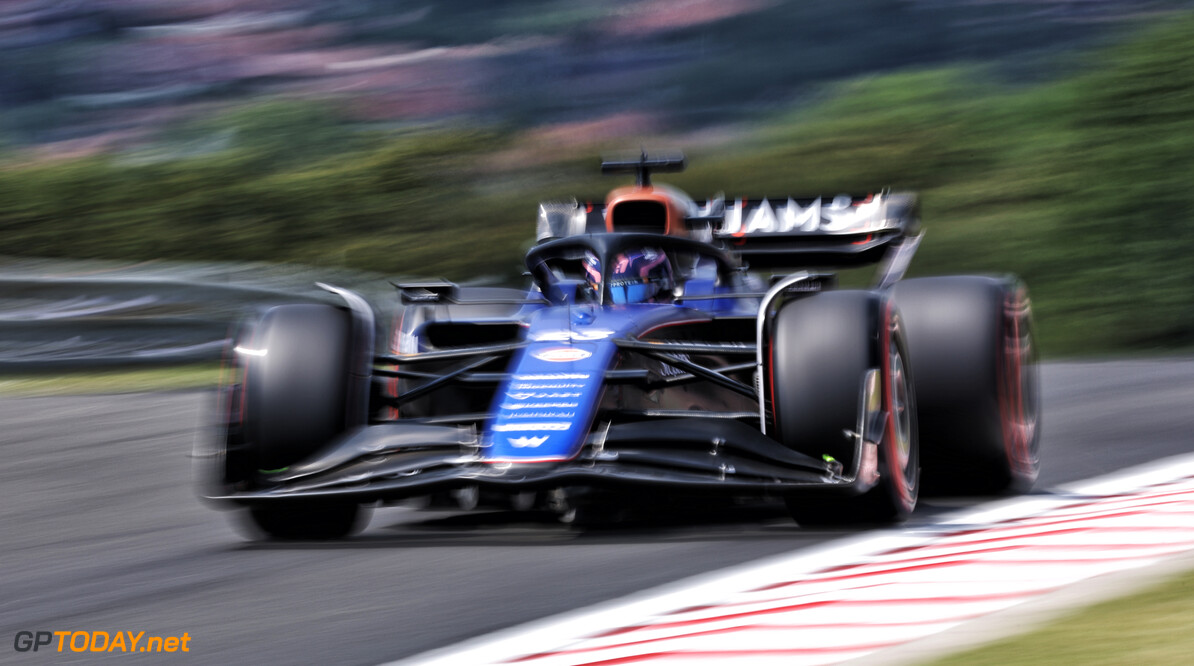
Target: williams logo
<point>526,442</point>
<point>582,335</point>
<point>562,354</point>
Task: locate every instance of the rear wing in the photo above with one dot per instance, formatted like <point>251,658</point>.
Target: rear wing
<point>774,233</point>
<point>789,232</point>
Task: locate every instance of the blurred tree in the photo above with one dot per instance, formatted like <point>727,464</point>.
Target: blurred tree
<point>1132,219</point>
<point>1079,185</point>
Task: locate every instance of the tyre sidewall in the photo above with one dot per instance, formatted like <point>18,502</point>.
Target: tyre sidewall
<point>296,381</point>
<point>972,380</point>
<point>821,349</point>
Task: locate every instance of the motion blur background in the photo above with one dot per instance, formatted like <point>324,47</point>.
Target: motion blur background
<point>1050,138</point>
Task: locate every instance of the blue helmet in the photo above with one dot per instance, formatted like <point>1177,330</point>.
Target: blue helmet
<point>641,276</point>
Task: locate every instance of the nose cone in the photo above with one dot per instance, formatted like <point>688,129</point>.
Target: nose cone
<point>545,411</point>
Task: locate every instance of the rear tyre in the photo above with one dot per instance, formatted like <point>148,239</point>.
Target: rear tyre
<point>296,383</point>
<point>822,350</point>
<point>975,362</point>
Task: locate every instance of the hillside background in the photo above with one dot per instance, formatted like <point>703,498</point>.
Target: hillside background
<point>1050,139</point>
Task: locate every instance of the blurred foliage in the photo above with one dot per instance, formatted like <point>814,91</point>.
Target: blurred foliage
<point>292,183</point>
<point>1078,185</point>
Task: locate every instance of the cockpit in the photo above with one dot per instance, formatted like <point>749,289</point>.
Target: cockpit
<point>626,268</point>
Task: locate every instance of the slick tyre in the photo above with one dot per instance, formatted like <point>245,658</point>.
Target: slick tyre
<point>306,521</point>
<point>296,382</point>
<point>974,358</point>
<point>822,351</point>
<point>296,379</point>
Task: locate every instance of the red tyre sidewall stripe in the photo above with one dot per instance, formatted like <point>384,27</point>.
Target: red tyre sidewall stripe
<point>228,380</point>
<point>1011,397</point>
<point>1024,436</point>
<point>898,474</point>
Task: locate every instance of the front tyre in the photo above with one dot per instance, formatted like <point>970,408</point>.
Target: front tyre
<point>296,383</point>
<point>307,521</point>
<point>838,370</point>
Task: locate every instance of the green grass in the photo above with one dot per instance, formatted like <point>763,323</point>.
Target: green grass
<point>117,380</point>
<point>1151,627</point>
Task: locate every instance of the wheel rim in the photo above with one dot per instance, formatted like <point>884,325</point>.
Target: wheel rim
<point>1019,400</point>
<point>900,407</point>
<point>903,466</point>
<point>1028,396</point>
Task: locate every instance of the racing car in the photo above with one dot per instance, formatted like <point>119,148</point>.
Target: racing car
<point>664,347</point>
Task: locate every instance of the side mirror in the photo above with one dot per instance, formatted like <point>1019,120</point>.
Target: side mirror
<point>427,292</point>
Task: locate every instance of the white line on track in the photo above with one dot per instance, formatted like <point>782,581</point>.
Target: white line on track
<point>878,590</point>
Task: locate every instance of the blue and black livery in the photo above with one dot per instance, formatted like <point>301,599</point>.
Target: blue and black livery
<point>731,382</point>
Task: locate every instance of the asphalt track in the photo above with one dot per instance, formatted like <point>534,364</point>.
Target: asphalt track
<point>101,530</point>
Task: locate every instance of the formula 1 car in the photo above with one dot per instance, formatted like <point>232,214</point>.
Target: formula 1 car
<point>650,356</point>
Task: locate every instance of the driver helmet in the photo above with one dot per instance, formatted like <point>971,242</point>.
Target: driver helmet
<point>641,276</point>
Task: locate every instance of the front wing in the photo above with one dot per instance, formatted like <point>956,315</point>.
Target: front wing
<point>397,460</point>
